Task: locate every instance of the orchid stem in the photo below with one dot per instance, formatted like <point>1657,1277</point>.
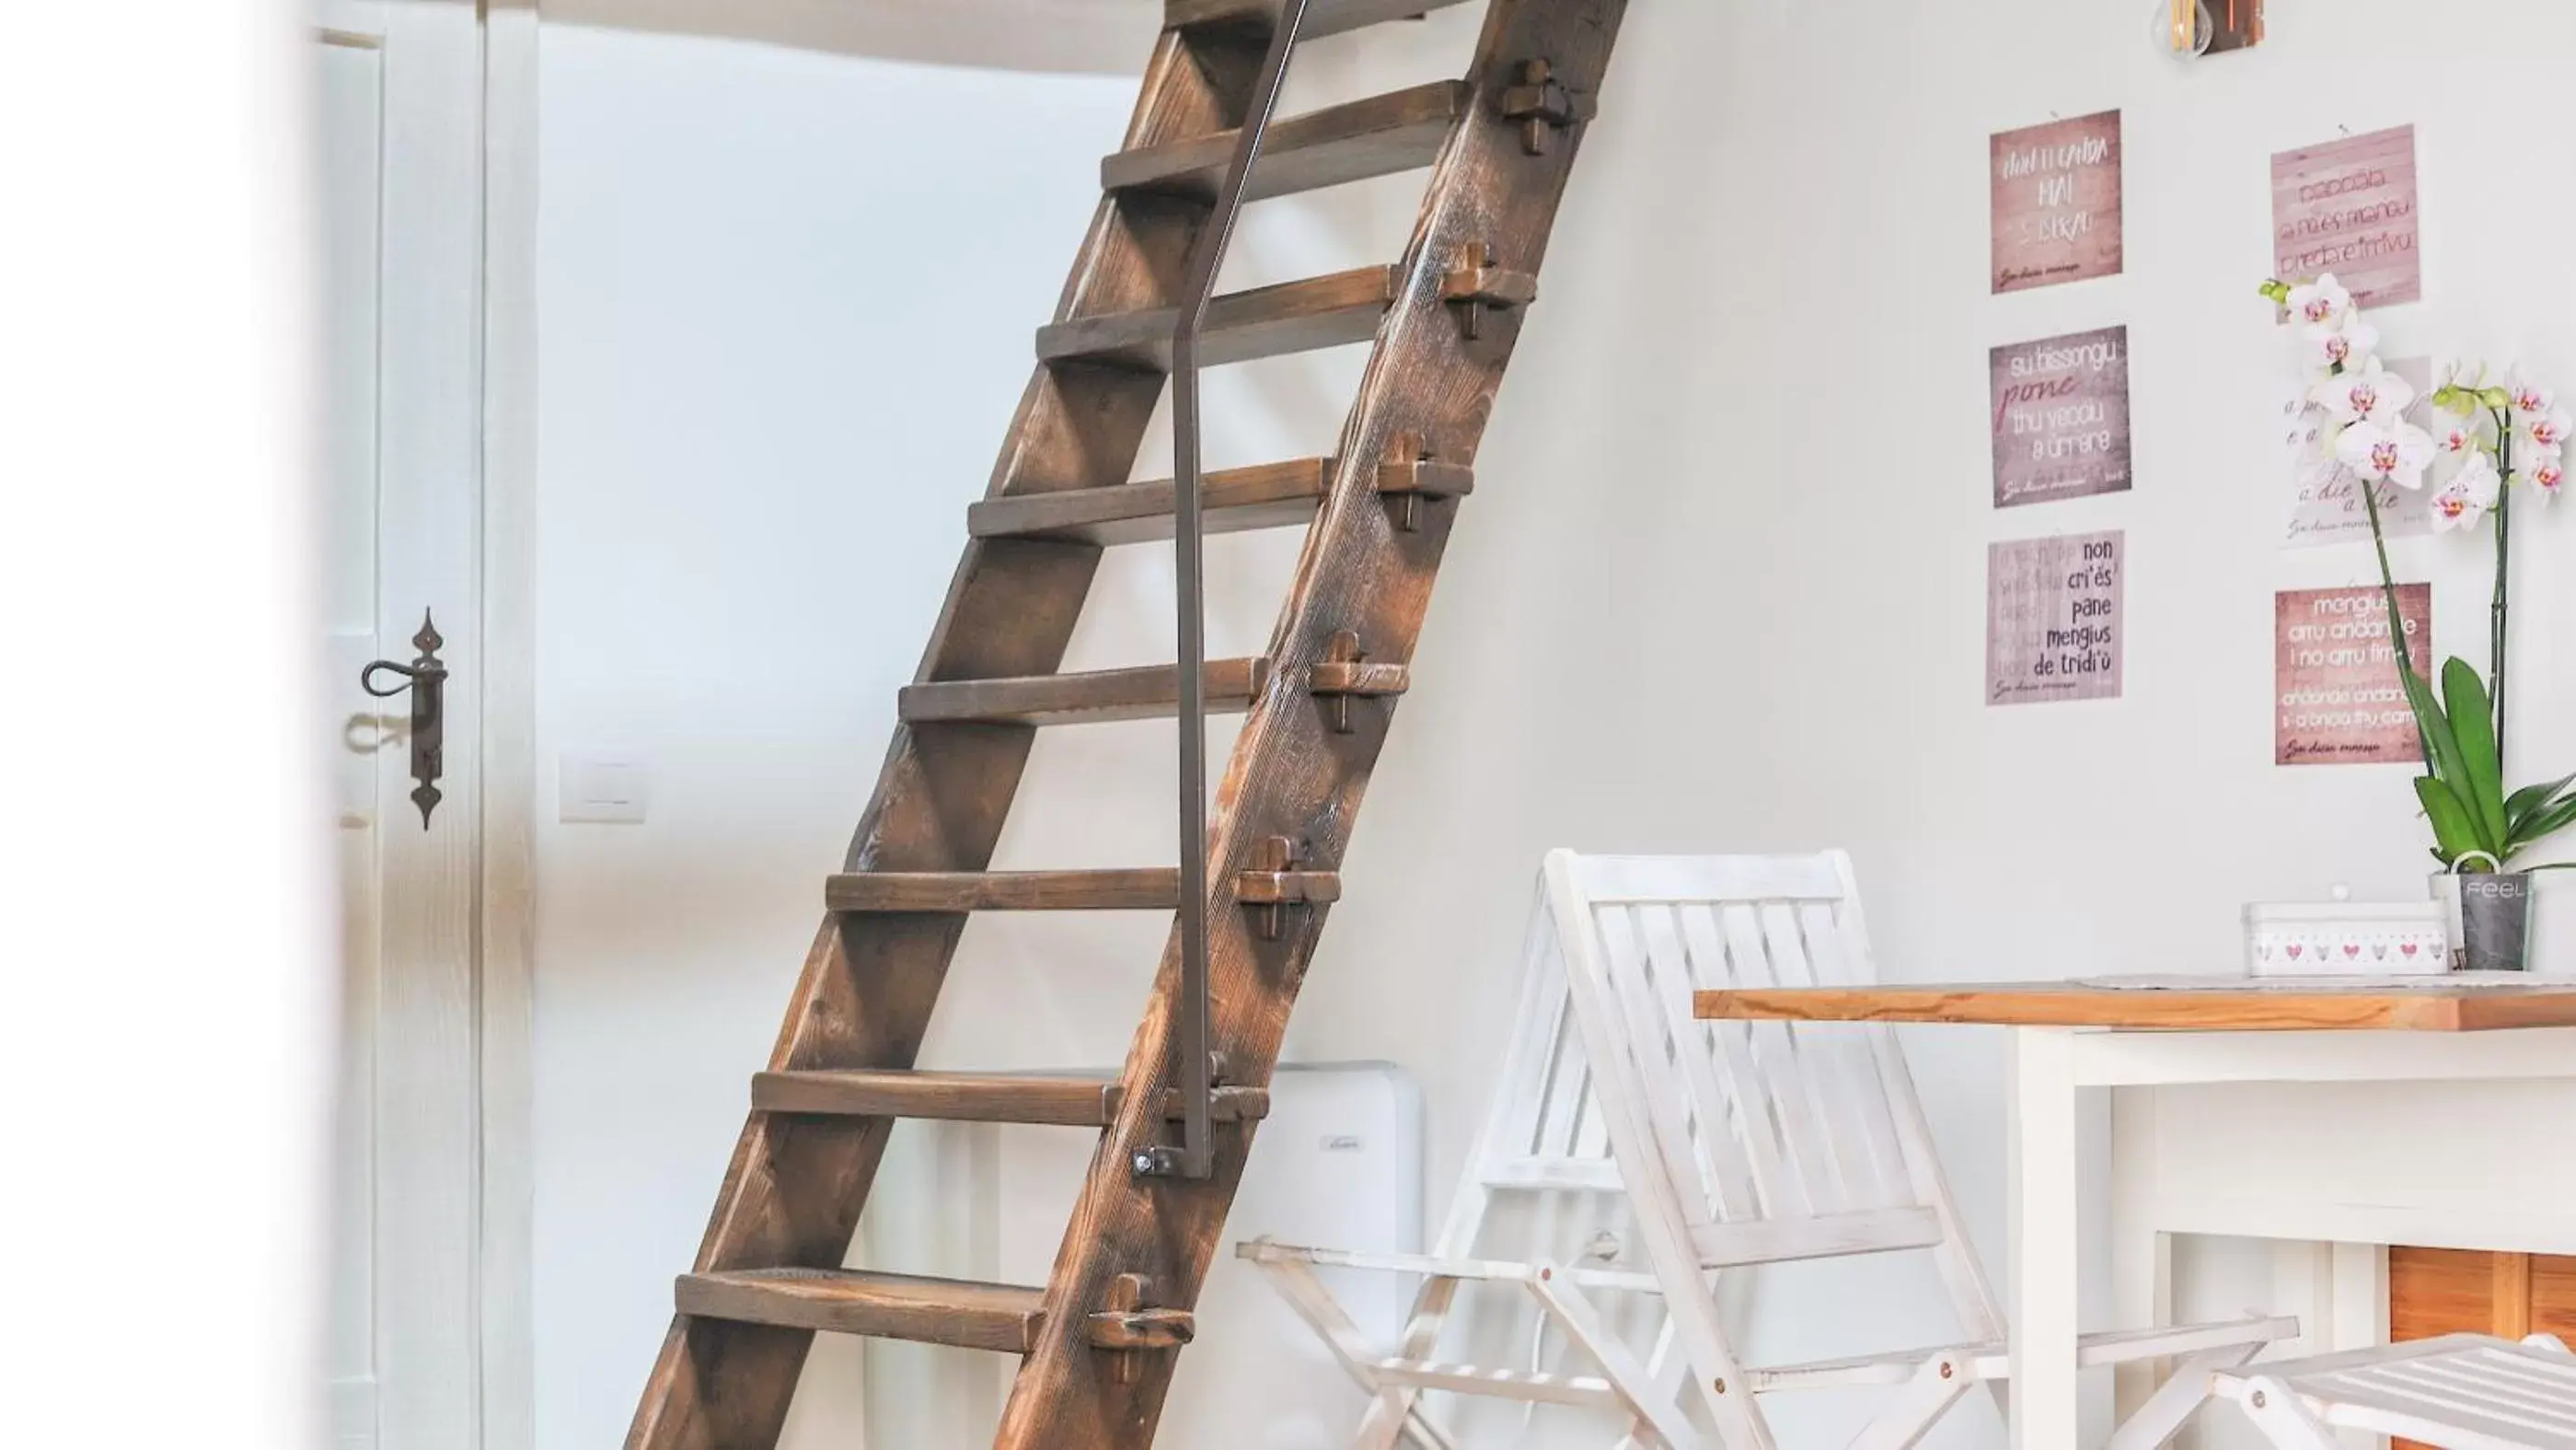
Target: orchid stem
<point>2396,617</point>
<point>2503,576</point>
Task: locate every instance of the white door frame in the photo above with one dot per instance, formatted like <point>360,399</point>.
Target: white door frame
<point>456,460</point>
<point>509,867</point>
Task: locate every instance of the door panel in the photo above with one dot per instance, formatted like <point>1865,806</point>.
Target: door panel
<point>399,99</point>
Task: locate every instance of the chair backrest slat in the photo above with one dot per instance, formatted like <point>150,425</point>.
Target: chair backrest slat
<point>1730,1175</point>
<point>1771,1138</point>
<point>1658,1059</point>
<point>1789,1096</point>
<point>1851,1062</point>
<point>1739,1078</point>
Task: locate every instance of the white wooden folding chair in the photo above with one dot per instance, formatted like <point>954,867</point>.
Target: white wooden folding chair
<point>1746,1144</point>
<point>1540,1222</point>
<point>2458,1392</point>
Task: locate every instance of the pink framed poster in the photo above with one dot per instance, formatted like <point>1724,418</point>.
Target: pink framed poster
<point>2053,618</point>
<point>2061,417</point>
<point>2349,207</point>
<point>2337,697</point>
<point>2056,202</point>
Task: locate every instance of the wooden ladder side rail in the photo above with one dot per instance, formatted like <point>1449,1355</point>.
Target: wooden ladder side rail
<point>794,1189</point>
<point>1292,774</point>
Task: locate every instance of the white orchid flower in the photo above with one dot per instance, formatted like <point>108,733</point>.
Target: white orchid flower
<point>2549,428</point>
<point>2548,473</point>
<point>2530,399</point>
<point>2465,500</point>
<point>2349,345</point>
<point>2369,393</point>
<point>2388,450</point>
<point>2457,440</point>
<point>2320,303</point>
<point>2455,372</point>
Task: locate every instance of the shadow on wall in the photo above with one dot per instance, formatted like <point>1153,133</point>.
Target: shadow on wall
<point>1095,36</point>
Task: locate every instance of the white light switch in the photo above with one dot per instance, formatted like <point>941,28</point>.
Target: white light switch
<point>604,788</point>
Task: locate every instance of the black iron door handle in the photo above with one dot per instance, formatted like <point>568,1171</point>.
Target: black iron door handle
<point>426,678</point>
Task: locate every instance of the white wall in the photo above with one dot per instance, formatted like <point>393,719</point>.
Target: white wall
<point>1720,587</point>
<point>166,1052</point>
<point>786,303</point>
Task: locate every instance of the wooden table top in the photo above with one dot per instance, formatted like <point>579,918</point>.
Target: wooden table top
<point>2221,1007</point>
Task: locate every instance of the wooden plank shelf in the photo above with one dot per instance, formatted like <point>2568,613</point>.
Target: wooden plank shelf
<point>1288,317</point>
<point>1379,136</point>
<point>1149,888</point>
<point>1094,697</point>
<point>1029,1099</point>
<point>1325,17</point>
<point>955,1312</point>
<point>1266,496</point>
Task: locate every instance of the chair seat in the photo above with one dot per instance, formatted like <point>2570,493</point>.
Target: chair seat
<point>2457,1392</point>
<point>1993,1361</point>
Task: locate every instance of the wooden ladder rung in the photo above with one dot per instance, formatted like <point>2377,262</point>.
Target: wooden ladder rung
<point>967,1315</point>
<point>1090,697</point>
<point>1070,1102</point>
<point>1144,888</point>
<point>1267,496</point>
<point>1324,17</point>
<point>1378,136</point>
<point>1288,317</point>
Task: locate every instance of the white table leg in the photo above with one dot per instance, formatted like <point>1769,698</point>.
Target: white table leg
<point>2141,1256</point>
<point>2045,1259</point>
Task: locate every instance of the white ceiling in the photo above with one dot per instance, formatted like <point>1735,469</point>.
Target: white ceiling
<point>1094,36</point>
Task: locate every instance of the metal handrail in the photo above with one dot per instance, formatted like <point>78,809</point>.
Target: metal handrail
<point>1196,1069</point>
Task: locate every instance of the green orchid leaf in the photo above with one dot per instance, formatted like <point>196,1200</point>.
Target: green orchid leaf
<point>2446,763</point>
<point>2450,820</point>
<point>2545,823</point>
<point>2472,713</point>
<point>2522,803</point>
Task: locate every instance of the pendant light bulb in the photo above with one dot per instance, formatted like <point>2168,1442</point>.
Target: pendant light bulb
<point>2165,27</point>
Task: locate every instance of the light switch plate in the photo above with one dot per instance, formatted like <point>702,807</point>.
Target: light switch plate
<point>610,789</point>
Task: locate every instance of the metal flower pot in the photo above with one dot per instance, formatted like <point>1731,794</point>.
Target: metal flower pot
<point>2495,921</point>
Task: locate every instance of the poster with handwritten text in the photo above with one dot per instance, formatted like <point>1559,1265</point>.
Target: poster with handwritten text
<point>2349,207</point>
<point>2053,618</point>
<point>2056,202</point>
<point>2337,696</point>
<point>2326,502</point>
<point>2061,419</point>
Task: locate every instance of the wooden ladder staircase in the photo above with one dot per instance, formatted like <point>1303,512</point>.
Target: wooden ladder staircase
<point>1100,1338</point>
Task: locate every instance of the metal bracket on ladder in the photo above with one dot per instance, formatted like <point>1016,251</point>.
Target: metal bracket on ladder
<point>1477,283</point>
<point>1412,472</point>
<point>1345,673</point>
<point>1543,106</point>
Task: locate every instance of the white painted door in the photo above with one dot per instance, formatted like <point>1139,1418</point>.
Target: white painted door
<point>398,96</point>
